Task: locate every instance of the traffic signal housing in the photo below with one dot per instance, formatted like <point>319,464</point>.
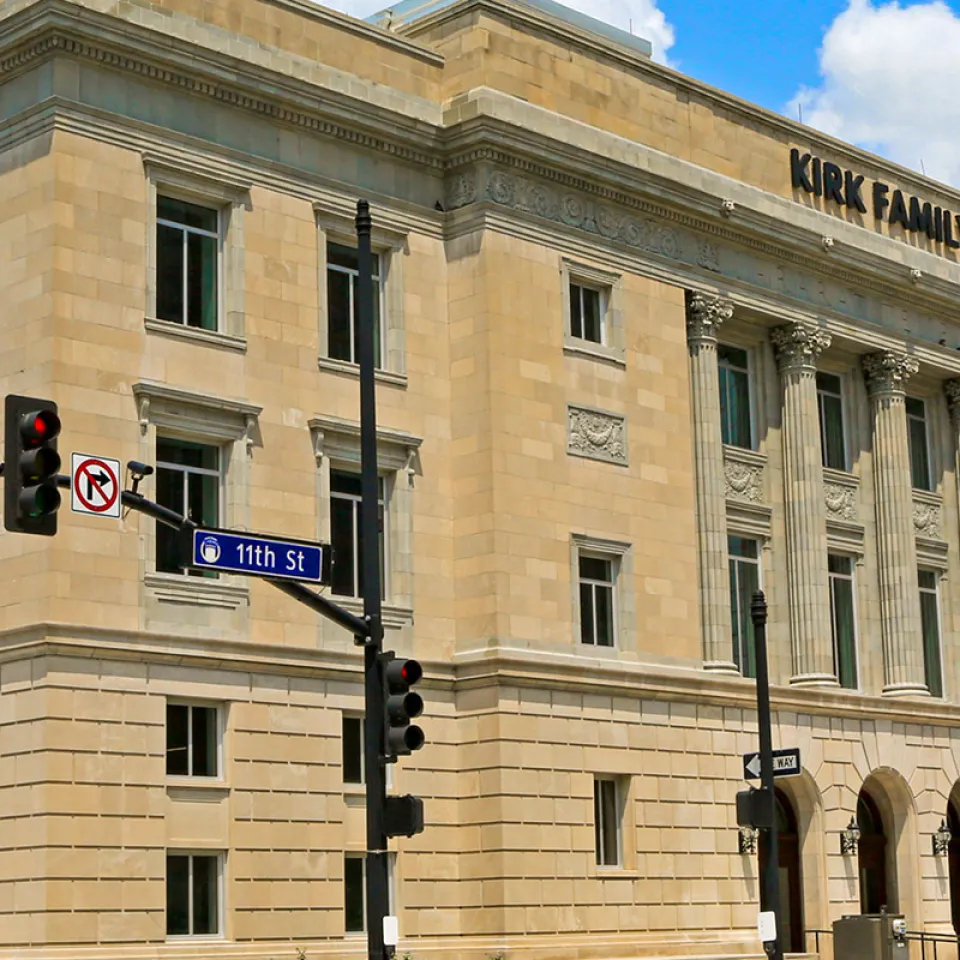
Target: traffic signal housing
<point>31,463</point>
<point>402,705</point>
<point>754,809</point>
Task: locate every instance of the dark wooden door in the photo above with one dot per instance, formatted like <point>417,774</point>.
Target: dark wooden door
<point>791,887</point>
<point>872,857</point>
<point>953,822</point>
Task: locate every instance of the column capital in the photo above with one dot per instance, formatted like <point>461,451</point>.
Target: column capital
<point>797,345</point>
<point>952,389</point>
<point>887,372</point>
<point>705,313</point>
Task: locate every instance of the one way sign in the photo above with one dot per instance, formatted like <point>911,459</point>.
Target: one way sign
<point>786,763</point>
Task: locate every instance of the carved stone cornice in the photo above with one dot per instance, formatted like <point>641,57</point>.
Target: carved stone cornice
<point>797,345</point>
<point>705,314</point>
<point>952,390</point>
<point>887,372</point>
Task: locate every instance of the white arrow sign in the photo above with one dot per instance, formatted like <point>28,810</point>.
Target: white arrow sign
<point>786,763</point>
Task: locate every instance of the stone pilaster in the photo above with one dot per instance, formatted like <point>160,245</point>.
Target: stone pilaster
<point>886,375</point>
<point>704,316</point>
<point>797,346</point>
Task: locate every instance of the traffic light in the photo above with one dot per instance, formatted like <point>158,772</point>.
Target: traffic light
<point>31,498</point>
<point>402,705</point>
<point>403,816</point>
<point>754,809</point>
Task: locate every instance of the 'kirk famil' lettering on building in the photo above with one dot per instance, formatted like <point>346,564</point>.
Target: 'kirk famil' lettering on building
<point>826,179</point>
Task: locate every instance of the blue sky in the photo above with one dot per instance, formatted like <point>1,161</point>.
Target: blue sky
<point>761,50</point>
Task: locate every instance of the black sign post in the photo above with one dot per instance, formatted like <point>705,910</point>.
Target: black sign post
<point>769,858</point>
<point>374,772</point>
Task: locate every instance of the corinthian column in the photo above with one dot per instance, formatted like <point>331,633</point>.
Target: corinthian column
<point>704,316</point>
<point>886,375</point>
<point>797,346</point>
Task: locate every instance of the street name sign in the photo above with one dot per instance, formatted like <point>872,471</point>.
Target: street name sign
<point>259,556</point>
<point>786,763</point>
<point>95,489</point>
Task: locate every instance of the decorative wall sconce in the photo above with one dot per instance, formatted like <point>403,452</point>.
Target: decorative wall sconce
<point>747,842</point>
<point>850,838</point>
<point>941,840</point>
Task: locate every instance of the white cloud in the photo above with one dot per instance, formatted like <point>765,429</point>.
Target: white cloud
<point>890,77</point>
<point>643,16</point>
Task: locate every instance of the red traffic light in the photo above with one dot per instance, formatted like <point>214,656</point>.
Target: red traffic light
<point>411,672</point>
<point>39,426</point>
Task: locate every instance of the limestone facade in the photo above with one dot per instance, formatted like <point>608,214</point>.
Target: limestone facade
<point>593,271</point>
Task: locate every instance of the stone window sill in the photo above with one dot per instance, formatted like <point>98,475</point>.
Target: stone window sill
<point>394,615</point>
<point>195,789</point>
<point>211,338</point>
<point>348,369</point>
<point>197,591</point>
<point>574,347</point>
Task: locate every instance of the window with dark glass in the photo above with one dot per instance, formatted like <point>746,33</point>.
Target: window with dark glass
<point>606,821</point>
<point>930,627</point>
<point>597,581</point>
<point>193,895</point>
<point>586,313</point>
<point>192,741</point>
<point>920,473</point>
<point>345,534</point>
<point>830,406</point>
<point>735,417</point>
<point>744,582</point>
<point>343,278</point>
<point>352,742</point>
<point>188,263</point>
<point>843,619</point>
<point>188,481</point>
<point>354,890</point>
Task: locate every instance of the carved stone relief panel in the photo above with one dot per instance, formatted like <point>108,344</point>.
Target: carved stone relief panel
<point>928,518</point>
<point>841,500</point>
<point>596,434</point>
<point>743,476</point>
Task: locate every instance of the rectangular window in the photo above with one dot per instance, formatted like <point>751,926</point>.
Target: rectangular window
<point>343,278</point>
<point>597,583</point>
<point>188,263</point>
<point>920,472</point>
<point>587,309</point>
<point>193,741</point>
<point>345,536</point>
<point>744,582</point>
<point>352,749</point>
<point>736,426</point>
<point>830,405</point>
<point>930,625</point>
<point>606,821</point>
<point>354,890</point>
<point>193,894</point>
<point>843,619</point>
<point>188,481</point>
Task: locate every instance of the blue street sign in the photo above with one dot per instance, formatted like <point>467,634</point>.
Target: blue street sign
<point>259,556</point>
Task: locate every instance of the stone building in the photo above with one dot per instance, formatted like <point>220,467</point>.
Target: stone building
<point>642,347</point>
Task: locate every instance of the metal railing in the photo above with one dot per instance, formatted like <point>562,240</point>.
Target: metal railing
<point>923,938</point>
<point>816,934</point>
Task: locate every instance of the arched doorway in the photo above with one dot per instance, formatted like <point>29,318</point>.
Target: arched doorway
<point>872,856</point>
<point>953,822</point>
<point>791,887</point>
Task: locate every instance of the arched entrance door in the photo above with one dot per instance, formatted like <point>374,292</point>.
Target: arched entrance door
<point>872,856</point>
<point>953,822</point>
<point>791,889</point>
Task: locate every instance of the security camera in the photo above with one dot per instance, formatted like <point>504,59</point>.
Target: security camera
<point>139,470</point>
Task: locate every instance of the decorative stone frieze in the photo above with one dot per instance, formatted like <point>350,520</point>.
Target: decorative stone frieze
<point>887,373</point>
<point>797,345</point>
<point>744,481</point>
<point>597,435</point>
<point>705,314</point>
<point>927,518</point>
<point>840,499</point>
<point>952,390</point>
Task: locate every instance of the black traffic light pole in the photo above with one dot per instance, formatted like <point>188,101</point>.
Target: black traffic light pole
<point>374,723</point>
<point>769,857</point>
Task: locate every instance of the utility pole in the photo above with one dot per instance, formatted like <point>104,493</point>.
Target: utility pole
<point>769,855</point>
<point>374,719</point>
